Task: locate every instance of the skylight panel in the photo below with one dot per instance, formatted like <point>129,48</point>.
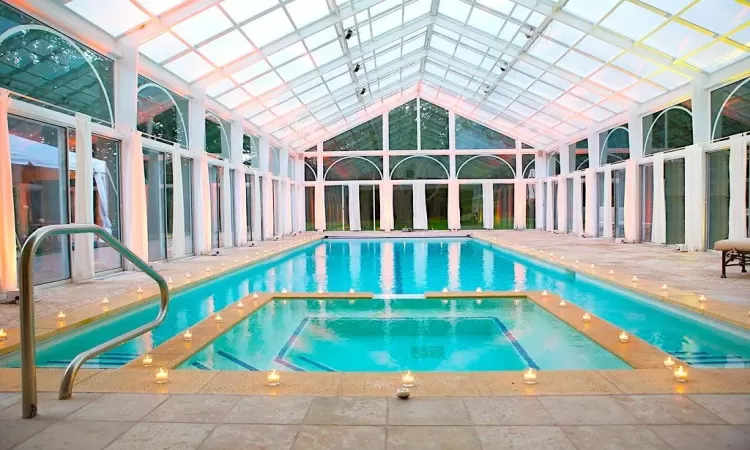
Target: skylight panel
<point>262,118</point>
<point>572,102</point>
<point>598,48</point>
<point>286,107</point>
<point>556,81</point>
<point>223,85</point>
<point>386,23</point>
<point>528,69</point>
<point>233,98</point>
<point>305,12</point>
<point>715,56</point>
<point>327,53</point>
<point>535,19</point>
<point>162,47</point>
<point>546,119</point>
<point>670,6</point>
<point>544,90</point>
<point>521,109</point>
<point>486,22</point>
<point>719,16</point>
<point>189,67</point>
<point>268,28</point>
<point>226,48</point>
<point>632,21</point>
<point>251,71</point>
<point>547,50</point>
<point>614,106</point>
<point>414,44</point>
<point>566,129</point>
<point>455,9</point>
<point>283,133</point>
<point>520,12</point>
<point>593,11</point>
<point>742,36</point>
<point>363,34</point>
<point>347,102</point>
<point>643,92</point>
<point>302,123</point>
<point>388,56</point>
<point>578,64</point>
<point>509,31</point>
<point>205,24</point>
<point>263,84</point>
<point>308,85</point>
<point>586,94</point>
<point>516,78</point>
<point>241,10</point>
<point>281,98</point>
<point>113,16</point>
<point>408,71</point>
<point>339,82</point>
<point>635,64</point>
<point>286,54</point>
<point>613,79</point>
<point>326,112</point>
<point>563,33</point>
<point>669,79</point>
<point>157,7</point>
<point>469,56</point>
<point>677,40</point>
<point>321,37</point>
<point>383,6</point>
<point>457,79</point>
<point>313,94</point>
<point>434,69</point>
<point>296,68</point>
<point>333,73</point>
<point>417,9</point>
<point>442,44</point>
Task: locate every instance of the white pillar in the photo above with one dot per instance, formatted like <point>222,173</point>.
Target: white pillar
<point>540,209</point>
<point>267,187</point>
<point>197,150</point>
<point>550,199</point>
<point>320,205</point>
<point>701,107</point>
<point>562,204</point>
<point>226,206</point>
<point>607,213</point>
<point>8,265</point>
<point>135,227</point>
<point>83,256</point>
<point>236,135</point>
<point>178,206</point>
<point>592,204</point>
<point>695,198</point>
<point>632,200</point>
<point>386,195</point>
<point>488,216</point>
<point>659,219</point>
<point>737,194</point>
<point>635,134</point>
<point>577,205</point>
<point>257,209</point>
<point>285,207</point>
<point>454,207</point>
<point>567,159</point>
<point>519,206</point>
<point>540,165</point>
<point>594,150</point>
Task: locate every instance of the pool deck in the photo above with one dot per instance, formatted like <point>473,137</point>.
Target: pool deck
<point>640,408</point>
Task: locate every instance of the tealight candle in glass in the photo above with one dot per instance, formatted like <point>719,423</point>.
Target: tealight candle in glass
<point>407,379</point>
<point>105,301</point>
<point>218,318</point>
<point>529,377</point>
<point>148,360</point>
<point>624,337</point>
<point>61,315</point>
<point>3,335</point>
<point>669,362</point>
<point>586,317</point>
<point>274,378</point>
<point>187,336</point>
<point>680,374</point>
<point>162,375</point>
<point>479,289</point>
<point>562,303</point>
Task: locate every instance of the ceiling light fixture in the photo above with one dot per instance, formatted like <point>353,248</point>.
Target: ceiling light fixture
<point>528,32</point>
<point>348,34</point>
<point>356,68</point>
<point>503,66</point>
<point>362,92</point>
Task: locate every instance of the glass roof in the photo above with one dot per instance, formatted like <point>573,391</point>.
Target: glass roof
<point>305,70</point>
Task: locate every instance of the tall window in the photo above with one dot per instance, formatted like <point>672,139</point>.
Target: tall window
<point>730,109</point>
<point>310,208</point>
<point>718,196</point>
<point>531,198</point>
<point>106,153</point>
<point>162,114</point>
<point>486,167</point>
<point>214,194</point>
<point>615,145</point>
<point>581,151</point>
<point>668,129</point>
<point>187,199</point>
<point>217,136</point>
<point>503,206</point>
<point>367,136</point>
<point>154,167</point>
<point>674,190</point>
<point>471,206</point>
<point>475,136</point>
<point>647,201</point>
<point>250,146</point>
<point>249,194</point>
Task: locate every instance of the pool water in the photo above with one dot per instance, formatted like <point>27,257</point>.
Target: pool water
<point>395,335</point>
<point>397,267</point>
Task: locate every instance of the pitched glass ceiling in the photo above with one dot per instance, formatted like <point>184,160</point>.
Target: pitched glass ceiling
<point>541,70</point>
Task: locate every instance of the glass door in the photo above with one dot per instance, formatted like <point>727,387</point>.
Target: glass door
<point>504,206</point>
<point>214,188</point>
<point>337,207</point>
<point>471,206</point>
<point>187,199</point>
<point>369,207</point>
<point>647,201</point>
<point>232,237</point>
<point>569,204</point>
<point>674,189</point>
<point>718,196</point>
<point>618,202</point>
<point>249,191</point>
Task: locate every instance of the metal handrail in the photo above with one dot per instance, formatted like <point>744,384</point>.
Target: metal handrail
<point>28,335</point>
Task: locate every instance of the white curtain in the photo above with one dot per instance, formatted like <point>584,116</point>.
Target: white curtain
<point>591,210</point>
<point>577,204</point>
<point>737,195</point>
<point>659,219</point>
<point>519,205</point>
<point>539,203</point>
<point>607,216</point>
<point>631,201</point>
<point>386,205</point>
<point>204,197</point>
<point>83,256</point>
<point>562,204</point>
<point>8,268</point>
<point>487,206</point>
<point>419,205</point>
<point>320,207</point>
<point>178,210</point>
<point>135,231</point>
<point>354,222</point>
<point>550,206</point>
<point>454,209</point>
<point>695,198</point>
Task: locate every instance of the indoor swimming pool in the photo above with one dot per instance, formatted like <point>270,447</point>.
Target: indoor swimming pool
<point>397,268</point>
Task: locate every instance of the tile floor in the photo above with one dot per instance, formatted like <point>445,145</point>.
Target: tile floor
<point>146,421</point>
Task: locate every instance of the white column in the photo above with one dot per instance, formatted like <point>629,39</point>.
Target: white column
<point>488,216</point>
<point>540,209</point>
<point>540,165</point>
<point>562,204</point>
<point>267,187</point>
<point>594,150</point>
<point>454,208</point>
<point>695,198</point>
<point>607,213</point>
<point>236,134</point>
<point>737,194</point>
<point>299,175</point>
<point>550,199</point>
<point>419,206</point>
<point>197,150</point>
<point>178,206</point>
<point>519,206</point>
<point>226,205</point>
<point>83,256</point>
<point>632,200</point>
<point>567,159</point>
<point>257,208</point>
<point>8,265</point>
<point>285,207</point>
<point>577,205</point>
<point>320,205</point>
<point>135,228</point>
<point>659,219</point>
<point>386,195</point>
<point>635,134</point>
<point>701,107</point>
<point>355,223</point>
<point>592,204</point>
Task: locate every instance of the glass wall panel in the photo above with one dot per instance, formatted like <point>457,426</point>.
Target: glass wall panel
<point>249,203</point>
<point>615,145</point>
<point>600,203</point>
<point>48,67</point>
<point>217,136</point>
<point>470,206</point>
<point>730,109</point>
<point>718,196</point>
<point>583,204</point>
<point>274,160</point>
<point>367,136</point>
<point>187,201</point>
<point>402,127</point>
<point>474,136</point>
<point>168,201</point>
<point>674,190</point>
<point>504,206</point>
<point>528,162</point>
<point>250,146</point>
<point>486,167</point>
<point>433,125</point>
<point>278,224</point>
<point>214,194</point>
<point>618,202</point>
<point>531,206</point>
<point>554,204</point>
<point>668,129</point>
<point>232,206</point>
<point>310,165</point>
<point>310,208</point>
<point>162,114</point>
<point>581,151</point>
<point>403,206</point>
<point>569,204</point>
<point>436,196</point>
<point>526,146</point>
<point>747,192</point>
<point>156,211</point>
<point>351,168</point>
<point>337,208</point>
<point>647,201</point>
<point>553,165</point>
<point>419,167</point>
<point>39,165</point>
<point>369,207</point>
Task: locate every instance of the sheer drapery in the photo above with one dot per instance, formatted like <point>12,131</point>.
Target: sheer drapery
<point>577,205</point>
<point>631,212</point>
<point>8,267</point>
<point>737,194</point>
<point>178,210</point>
<point>695,197</point>
<point>539,205</point>
<point>607,214</point>
<point>487,207</point>
<point>659,219</point>
<point>320,207</point>
<point>519,206</point>
<point>419,206</point>
<point>134,198</point>
<point>549,200</point>
<point>354,222</point>
<point>591,210</point>
<point>386,205</point>
<point>454,207</point>
<point>83,256</point>
<point>562,204</point>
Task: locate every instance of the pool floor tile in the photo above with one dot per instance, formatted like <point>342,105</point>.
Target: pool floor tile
<point>426,437</point>
<point>507,411</point>
<point>523,437</point>
<point>162,435</point>
<point>250,437</point>
<point>586,410</point>
<point>312,437</point>
<point>703,437</point>
<point>427,411</point>
<point>733,408</point>
<point>347,411</point>
<point>269,410</point>
<point>614,437</point>
<point>666,409</point>
<point>90,435</point>
<point>193,408</point>
<point>119,407</point>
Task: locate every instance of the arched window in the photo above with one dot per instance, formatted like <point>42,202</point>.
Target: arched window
<point>419,167</point>
<point>474,136</point>
<point>351,168</point>
<point>581,151</point>
<point>367,136</point>
<point>668,129</point>
<point>162,114</point>
<point>615,145</point>
<point>486,167</point>
<point>310,172</point>
<point>730,109</point>
<point>553,165</point>
<point>217,135</point>
<point>250,146</point>
<point>529,166</point>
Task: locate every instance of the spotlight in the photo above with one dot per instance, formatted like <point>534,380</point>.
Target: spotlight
<point>503,66</point>
<point>348,34</point>
<point>356,68</point>
<point>528,32</point>
<point>363,91</point>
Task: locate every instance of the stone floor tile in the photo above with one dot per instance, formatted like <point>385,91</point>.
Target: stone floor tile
<point>329,437</point>
<point>250,437</point>
<point>613,437</point>
<point>523,437</point>
<point>9,398</point>
<point>423,437</point>
<point>591,410</point>
<point>119,407</point>
<point>734,408</point>
<point>704,437</point>
<point>507,411</point>
<point>49,407</point>
<point>427,411</point>
<point>193,408</point>
<point>666,409</point>
<point>162,436</point>
<point>347,411</point>
<point>76,435</point>
<point>269,410</point>
<point>13,432</point>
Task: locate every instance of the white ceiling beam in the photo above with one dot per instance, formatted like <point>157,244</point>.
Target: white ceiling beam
<point>159,24</point>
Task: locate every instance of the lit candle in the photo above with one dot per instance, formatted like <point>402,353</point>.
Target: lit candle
<point>664,287</point>
<point>407,379</point>
<point>544,293</point>
<point>577,262</point>
<point>635,279</point>
<point>218,318</point>
<point>586,317</point>
<point>680,374</point>
<point>479,289</point>
<point>283,290</point>
<point>161,375</point>
<point>320,291</point>
<point>562,303</point>
<point>169,280</point>
<point>3,334</point>
<point>445,289</point>
<point>529,377</point>
<point>208,269</point>
<point>551,254</point>
<point>274,378</point>
<point>61,315</point>
<point>562,258</point>
<point>148,360</point>
<point>240,304</point>
<point>105,301</point>
<point>188,336</point>
<point>187,275</point>
<point>611,272</point>
<point>669,362</point>
<point>702,298</point>
<point>624,337</point>
<point>257,254</point>
<point>516,290</point>
<point>139,291</point>
<point>255,295</point>
<point>593,266</point>
<point>223,264</point>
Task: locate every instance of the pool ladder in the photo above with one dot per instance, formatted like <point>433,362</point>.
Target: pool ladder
<point>28,335</point>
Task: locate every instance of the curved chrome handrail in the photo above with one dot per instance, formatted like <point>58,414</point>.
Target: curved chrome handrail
<point>28,335</point>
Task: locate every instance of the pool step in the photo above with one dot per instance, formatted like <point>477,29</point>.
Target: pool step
<point>707,359</point>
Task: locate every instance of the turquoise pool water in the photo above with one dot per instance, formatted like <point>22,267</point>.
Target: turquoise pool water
<point>393,267</point>
<point>395,335</point>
